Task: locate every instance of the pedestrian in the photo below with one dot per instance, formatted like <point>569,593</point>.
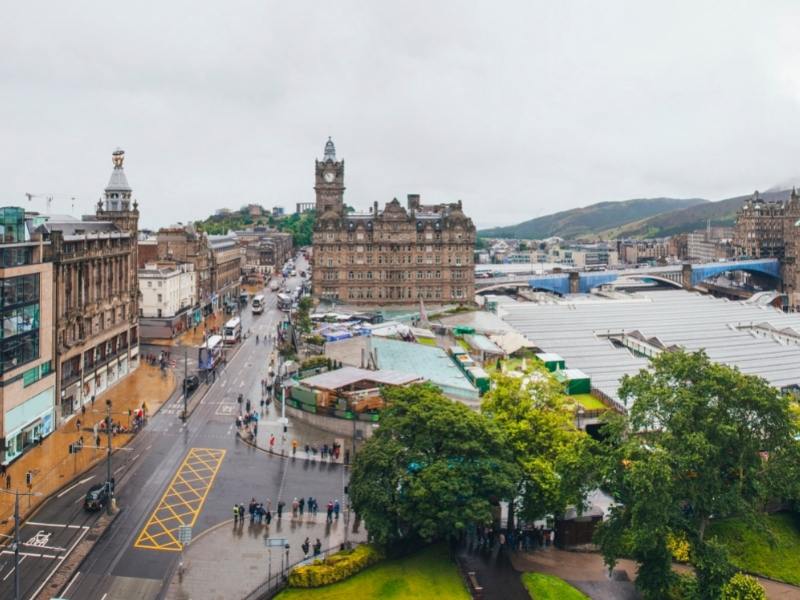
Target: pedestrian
<point>305,546</point>
<point>295,506</point>
<point>271,442</point>
<point>281,504</point>
<point>294,447</point>
<point>78,424</point>
<point>8,481</point>
<point>317,547</point>
<point>241,514</point>
<point>251,508</point>
<point>92,399</point>
<point>307,449</point>
<point>301,504</point>
<point>235,514</point>
<point>268,517</point>
<point>97,441</point>
<point>247,405</point>
<point>336,509</point>
<point>83,410</point>
<point>330,511</point>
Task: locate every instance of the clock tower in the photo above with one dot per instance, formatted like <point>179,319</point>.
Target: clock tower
<point>329,182</point>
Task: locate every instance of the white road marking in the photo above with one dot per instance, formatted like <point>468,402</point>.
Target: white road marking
<point>12,568</point>
<point>104,596</point>
<point>74,485</point>
<point>69,585</point>
<point>58,564</point>
<point>62,525</point>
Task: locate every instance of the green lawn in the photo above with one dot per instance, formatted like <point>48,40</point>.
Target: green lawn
<point>550,587</point>
<point>425,341</point>
<point>426,574</point>
<point>588,401</point>
<point>751,548</point>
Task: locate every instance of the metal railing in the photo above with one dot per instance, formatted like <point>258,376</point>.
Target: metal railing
<point>272,585</point>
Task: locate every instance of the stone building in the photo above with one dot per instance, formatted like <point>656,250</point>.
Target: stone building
<point>183,243</point>
<point>264,250</point>
<point>226,270</point>
<point>27,375</point>
<point>771,229</point>
<point>95,294</point>
<point>395,255</point>
<point>167,299</point>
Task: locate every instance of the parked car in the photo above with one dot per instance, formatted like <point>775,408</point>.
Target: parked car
<point>191,382</point>
<point>96,498</point>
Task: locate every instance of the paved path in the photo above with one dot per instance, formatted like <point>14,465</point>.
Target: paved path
<point>230,561</point>
<point>587,572</point>
<point>495,573</point>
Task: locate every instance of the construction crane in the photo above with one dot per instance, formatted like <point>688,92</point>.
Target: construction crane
<point>49,199</point>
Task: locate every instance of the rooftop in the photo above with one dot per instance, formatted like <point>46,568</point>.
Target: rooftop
<point>730,332</point>
<point>430,362</point>
<point>334,380</point>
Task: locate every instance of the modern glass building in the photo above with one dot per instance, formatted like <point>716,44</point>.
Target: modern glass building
<point>27,381</point>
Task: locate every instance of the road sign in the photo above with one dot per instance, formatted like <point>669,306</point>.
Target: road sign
<point>274,542</point>
<point>185,534</point>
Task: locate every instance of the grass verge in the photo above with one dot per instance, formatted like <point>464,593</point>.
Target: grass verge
<point>549,587</point>
<point>426,574</point>
<point>753,549</point>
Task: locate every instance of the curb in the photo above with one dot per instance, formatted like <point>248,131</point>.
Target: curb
<point>280,455</point>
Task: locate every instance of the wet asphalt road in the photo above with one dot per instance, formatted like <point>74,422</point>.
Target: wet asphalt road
<point>115,568</point>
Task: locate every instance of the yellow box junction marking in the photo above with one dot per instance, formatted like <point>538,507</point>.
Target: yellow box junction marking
<point>182,501</point>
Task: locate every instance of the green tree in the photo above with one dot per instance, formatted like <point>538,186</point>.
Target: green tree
<point>433,467</point>
<point>694,445</point>
<point>555,458</point>
<point>303,314</point>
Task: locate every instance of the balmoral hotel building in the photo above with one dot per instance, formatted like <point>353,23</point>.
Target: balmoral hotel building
<point>391,256</point>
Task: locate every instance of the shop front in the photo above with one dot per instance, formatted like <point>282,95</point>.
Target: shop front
<point>26,424</point>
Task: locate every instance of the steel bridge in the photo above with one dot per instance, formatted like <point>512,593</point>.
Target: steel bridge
<point>685,276</point>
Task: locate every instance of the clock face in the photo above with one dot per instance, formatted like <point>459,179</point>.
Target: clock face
<point>329,176</point>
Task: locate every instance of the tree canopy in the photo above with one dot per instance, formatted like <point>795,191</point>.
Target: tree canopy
<point>433,467</point>
<point>555,458</point>
<point>697,443</point>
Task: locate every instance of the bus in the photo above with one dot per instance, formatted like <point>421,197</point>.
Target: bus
<point>211,353</point>
<point>285,302</point>
<point>258,304</point>
<point>232,331</point>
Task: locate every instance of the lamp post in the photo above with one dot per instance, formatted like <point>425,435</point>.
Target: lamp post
<point>108,459</point>
<point>185,375</point>
<point>16,543</point>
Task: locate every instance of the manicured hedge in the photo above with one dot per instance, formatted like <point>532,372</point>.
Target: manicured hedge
<point>335,568</point>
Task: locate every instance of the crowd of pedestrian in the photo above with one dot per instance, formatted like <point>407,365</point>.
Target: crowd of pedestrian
<point>518,539</point>
<point>261,512</point>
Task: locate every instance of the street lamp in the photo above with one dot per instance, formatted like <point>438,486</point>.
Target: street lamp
<point>109,486</point>
<point>16,543</point>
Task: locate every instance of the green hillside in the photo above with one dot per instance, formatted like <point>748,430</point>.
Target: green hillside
<point>590,220</point>
<point>643,218</point>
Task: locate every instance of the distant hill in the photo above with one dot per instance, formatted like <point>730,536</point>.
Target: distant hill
<point>641,218</point>
<point>589,221</point>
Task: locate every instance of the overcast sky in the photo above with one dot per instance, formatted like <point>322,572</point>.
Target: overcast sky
<point>517,108</point>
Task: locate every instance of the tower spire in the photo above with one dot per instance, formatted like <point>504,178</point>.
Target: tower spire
<point>330,151</point>
<point>118,191</point>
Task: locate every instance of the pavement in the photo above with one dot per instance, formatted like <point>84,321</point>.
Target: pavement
<point>244,562</point>
<point>50,462</point>
<point>494,572</point>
